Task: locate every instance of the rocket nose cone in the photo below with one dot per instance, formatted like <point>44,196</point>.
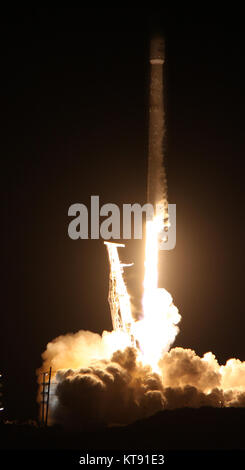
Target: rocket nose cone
<point>157,49</point>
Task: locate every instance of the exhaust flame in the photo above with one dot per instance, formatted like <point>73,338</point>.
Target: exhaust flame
<point>157,330</point>
<point>155,333</point>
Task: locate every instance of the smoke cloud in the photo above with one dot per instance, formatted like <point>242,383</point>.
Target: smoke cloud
<point>100,380</point>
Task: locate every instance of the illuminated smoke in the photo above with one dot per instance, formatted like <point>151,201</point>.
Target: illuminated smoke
<point>120,389</point>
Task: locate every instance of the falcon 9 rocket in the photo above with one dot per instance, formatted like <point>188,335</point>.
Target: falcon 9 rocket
<point>156,183</point>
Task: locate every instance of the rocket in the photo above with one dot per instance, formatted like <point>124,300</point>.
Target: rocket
<point>156,182</point>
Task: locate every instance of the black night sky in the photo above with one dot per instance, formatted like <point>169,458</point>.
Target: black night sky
<point>74,122</point>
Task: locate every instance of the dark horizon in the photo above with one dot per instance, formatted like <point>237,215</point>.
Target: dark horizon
<point>74,98</point>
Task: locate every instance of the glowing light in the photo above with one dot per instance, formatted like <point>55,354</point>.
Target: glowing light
<point>158,329</point>
<point>155,333</point>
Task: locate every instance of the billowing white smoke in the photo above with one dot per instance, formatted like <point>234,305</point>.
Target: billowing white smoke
<point>95,384</point>
<point>79,349</point>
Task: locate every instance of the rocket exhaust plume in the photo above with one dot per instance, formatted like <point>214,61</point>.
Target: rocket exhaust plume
<point>157,330</point>
<point>160,315</point>
<point>130,372</point>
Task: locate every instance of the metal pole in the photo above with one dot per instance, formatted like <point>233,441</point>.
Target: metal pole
<point>47,403</point>
<point>1,405</point>
<point>43,396</point>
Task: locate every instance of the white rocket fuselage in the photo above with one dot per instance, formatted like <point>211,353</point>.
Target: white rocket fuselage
<point>156,183</point>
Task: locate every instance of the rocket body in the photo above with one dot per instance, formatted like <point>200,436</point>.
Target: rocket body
<point>156,183</point>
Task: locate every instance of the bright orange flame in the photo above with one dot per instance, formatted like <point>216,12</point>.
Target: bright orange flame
<point>158,329</point>
<point>155,333</point>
